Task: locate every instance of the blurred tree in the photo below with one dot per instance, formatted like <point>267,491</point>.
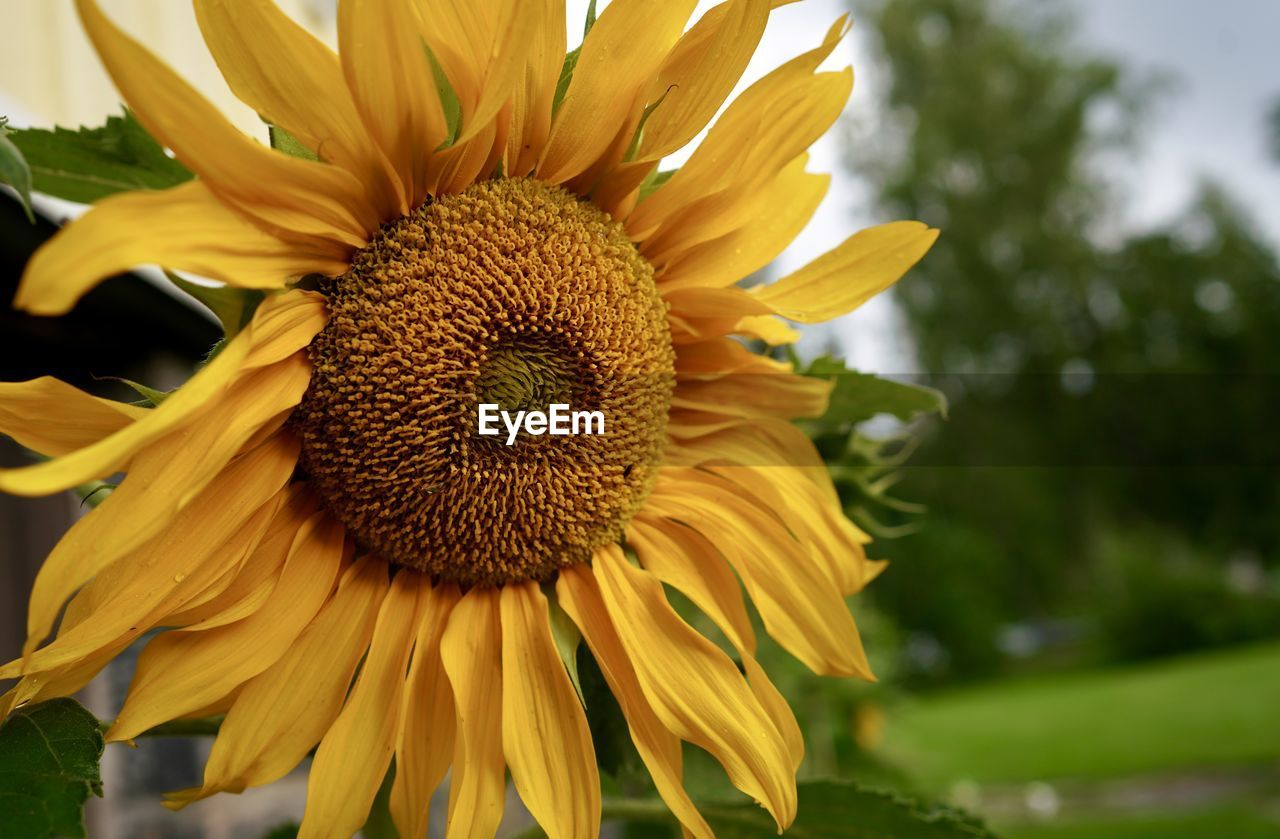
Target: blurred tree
<point>1098,378</point>
<point>1274,128</point>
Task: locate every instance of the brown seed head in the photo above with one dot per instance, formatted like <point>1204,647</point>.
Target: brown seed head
<point>515,293</point>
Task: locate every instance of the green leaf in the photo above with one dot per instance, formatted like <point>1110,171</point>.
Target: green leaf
<point>49,757</point>
<point>91,163</point>
<point>860,396</point>
<point>591,19</point>
<point>282,140</point>
<point>827,810</point>
<point>288,830</point>
<point>14,170</point>
<point>845,810</point>
<point>616,753</point>
<point>233,307</point>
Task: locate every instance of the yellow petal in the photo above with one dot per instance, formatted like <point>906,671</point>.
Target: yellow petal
<point>619,57</point>
<point>767,328</point>
<point>251,585</point>
<point>844,278</point>
<point>775,705</point>
<point>700,73</point>
<point>169,473</point>
<point>70,676</point>
<point>697,314</point>
<point>163,480</point>
<point>109,454</point>
<point>389,74</point>
<point>59,681</point>
<point>471,650</point>
<point>424,746</point>
<point>797,601</point>
<point>658,747</point>
<point>780,395</point>
<point>54,418</point>
<point>761,131</point>
<point>694,688</point>
<point>544,730</point>
<point>181,670</point>
<point>458,35</point>
<point>532,99</point>
<point>283,713</point>
<point>802,507</point>
<point>773,461</point>
<point>721,303</point>
<point>281,326</point>
<point>720,357</point>
<point>294,81</point>
<point>483,49</point>
<point>457,167</point>
<point>199,546</point>
<point>311,202</point>
<point>354,755</point>
<point>686,561</point>
<point>706,219</point>
<point>778,464</point>
<point>794,197</point>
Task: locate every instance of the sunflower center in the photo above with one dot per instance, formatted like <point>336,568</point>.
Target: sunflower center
<point>512,293</point>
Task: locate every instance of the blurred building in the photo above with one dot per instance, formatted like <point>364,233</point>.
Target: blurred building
<point>52,76</point>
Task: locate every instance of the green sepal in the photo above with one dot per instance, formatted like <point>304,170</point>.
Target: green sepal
<point>568,638</point>
<point>860,396</point>
<point>571,61</point>
<point>88,164</point>
<point>151,397</point>
<point>634,148</point>
<point>93,493</point>
<point>282,140</point>
<point>566,76</point>
<point>865,469</point>
<point>449,101</point>
<point>233,307</point>
<point>49,766</point>
<point>14,170</point>
<point>654,182</point>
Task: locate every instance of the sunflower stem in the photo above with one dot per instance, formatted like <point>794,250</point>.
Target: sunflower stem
<point>642,810</point>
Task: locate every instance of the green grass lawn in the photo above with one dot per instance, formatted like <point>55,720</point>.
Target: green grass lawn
<point>1234,822</point>
<point>1201,711</point>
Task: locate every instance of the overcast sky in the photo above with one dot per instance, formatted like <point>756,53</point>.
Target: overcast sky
<point>1221,58</point>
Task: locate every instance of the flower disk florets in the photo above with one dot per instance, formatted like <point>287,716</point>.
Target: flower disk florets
<point>513,293</point>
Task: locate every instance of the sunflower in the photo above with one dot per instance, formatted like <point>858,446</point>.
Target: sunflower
<point>337,560</point>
